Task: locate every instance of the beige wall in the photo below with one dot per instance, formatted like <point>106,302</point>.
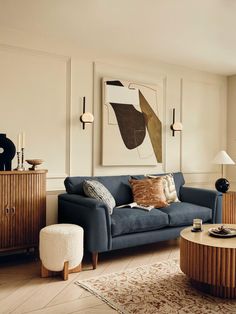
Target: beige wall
<point>41,89</point>
<point>231,135</point>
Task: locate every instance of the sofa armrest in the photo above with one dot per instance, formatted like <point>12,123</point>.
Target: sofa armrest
<point>92,215</point>
<point>203,197</point>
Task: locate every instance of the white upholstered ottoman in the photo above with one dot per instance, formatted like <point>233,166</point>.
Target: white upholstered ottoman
<point>61,249</point>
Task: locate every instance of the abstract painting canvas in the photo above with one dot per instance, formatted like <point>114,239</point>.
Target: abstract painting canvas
<point>132,127</point>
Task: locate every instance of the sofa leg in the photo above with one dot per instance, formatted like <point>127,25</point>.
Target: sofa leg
<point>95,259</point>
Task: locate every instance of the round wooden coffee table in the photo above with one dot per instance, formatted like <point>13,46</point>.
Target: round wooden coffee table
<point>210,262</point>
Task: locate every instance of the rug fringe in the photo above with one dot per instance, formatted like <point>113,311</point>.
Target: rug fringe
<point>108,302</point>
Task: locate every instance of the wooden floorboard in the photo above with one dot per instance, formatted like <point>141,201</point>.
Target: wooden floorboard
<point>23,291</point>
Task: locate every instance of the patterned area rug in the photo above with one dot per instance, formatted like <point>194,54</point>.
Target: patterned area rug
<point>159,288</point>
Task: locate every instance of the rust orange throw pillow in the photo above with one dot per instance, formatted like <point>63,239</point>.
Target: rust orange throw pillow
<point>148,192</point>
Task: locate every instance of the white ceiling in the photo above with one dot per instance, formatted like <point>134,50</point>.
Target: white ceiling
<point>194,33</point>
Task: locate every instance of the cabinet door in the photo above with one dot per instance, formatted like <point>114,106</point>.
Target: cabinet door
<point>29,201</point>
<point>7,219</point>
<point>22,209</point>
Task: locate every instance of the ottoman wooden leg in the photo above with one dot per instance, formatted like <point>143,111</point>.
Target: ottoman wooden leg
<point>64,273</point>
<point>45,272</point>
<point>77,269</point>
<point>67,271</point>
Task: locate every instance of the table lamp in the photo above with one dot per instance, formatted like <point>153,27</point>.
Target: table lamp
<point>222,158</point>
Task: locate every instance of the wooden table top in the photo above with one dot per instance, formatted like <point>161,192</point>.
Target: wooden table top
<point>205,239</point>
<point>23,172</point>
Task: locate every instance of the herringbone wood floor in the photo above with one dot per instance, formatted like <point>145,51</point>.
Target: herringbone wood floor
<point>23,291</point>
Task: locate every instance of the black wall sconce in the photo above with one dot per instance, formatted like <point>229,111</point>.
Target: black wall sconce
<point>175,126</point>
<point>86,117</point>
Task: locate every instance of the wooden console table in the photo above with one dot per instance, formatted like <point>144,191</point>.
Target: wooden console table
<point>22,208</point>
<point>229,208</point>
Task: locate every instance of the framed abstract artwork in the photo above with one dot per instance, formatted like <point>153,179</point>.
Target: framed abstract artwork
<point>131,126</point>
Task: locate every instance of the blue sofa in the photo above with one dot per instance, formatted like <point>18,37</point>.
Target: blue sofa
<point>128,227</point>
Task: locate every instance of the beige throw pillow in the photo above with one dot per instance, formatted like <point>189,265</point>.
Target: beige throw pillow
<point>169,187</point>
<point>148,192</point>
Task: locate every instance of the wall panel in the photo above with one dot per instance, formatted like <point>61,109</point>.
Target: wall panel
<point>203,116</point>
<point>35,98</point>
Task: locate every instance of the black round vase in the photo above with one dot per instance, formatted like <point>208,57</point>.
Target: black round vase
<point>222,185</point>
<point>7,153</point>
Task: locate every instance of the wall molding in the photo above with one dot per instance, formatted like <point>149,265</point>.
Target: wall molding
<point>34,52</point>
<point>67,61</point>
<point>219,87</point>
<point>181,120</point>
<point>57,176</point>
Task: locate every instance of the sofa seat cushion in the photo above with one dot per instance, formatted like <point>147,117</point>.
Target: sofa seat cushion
<point>182,214</point>
<point>130,220</point>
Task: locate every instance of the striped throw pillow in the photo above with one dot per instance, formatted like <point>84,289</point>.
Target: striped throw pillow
<point>97,190</point>
<point>168,186</point>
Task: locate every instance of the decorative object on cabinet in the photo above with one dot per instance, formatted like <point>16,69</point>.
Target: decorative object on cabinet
<point>132,114</point>
<point>175,126</point>
<point>34,163</point>
<point>86,117</point>
<point>22,208</point>
<point>222,158</point>
<point>20,151</point>
<point>229,208</point>
<point>7,152</point>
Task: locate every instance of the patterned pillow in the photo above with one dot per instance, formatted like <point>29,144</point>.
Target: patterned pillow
<point>168,186</point>
<point>97,190</point>
<point>148,192</point>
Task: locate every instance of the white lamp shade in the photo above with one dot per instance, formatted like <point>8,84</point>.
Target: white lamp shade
<point>222,158</point>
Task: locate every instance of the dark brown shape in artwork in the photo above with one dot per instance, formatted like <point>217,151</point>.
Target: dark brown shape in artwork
<point>115,83</point>
<point>153,126</point>
<point>131,124</point>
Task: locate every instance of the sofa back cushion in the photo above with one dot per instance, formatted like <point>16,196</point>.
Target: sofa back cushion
<point>179,181</point>
<point>118,185</point>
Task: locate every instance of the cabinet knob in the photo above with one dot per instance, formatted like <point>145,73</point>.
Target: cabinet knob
<point>6,209</point>
<point>13,210</point>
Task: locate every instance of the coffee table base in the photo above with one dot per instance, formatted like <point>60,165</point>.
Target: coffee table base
<point>222,292</point>
<point>212,269</point>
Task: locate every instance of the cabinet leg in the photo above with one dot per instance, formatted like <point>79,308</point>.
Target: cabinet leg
<point>94,259</point>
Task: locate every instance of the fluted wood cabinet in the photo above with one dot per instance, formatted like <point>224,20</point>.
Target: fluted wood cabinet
<point>22,208</point>
<point>229,208</point>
